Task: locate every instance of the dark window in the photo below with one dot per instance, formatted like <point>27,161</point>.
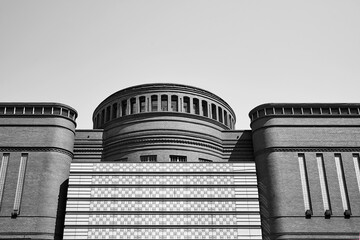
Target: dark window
<point>177,158</point>
<point>148,158</point>
<point>204,106</point>
<point>132,105</point>
<point>213,111</point>
<point>103,116</point>
<point>142,104</point>
<point>114,111</point>
<point>164,102</point>
<point>108,113</point>
<point>187,104</point>
<point>123,107</point>
<point>174,103</point>
<point>196,106</point>
<point>225,118</point>
<point>220,114</point>
<point>154,103</point>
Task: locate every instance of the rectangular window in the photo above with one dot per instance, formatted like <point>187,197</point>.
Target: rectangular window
<point>114,110</point>
<point>213,111</point>
<point>204,106</point>
<point>123,107</point>
<point>357,168</point>
<point>323,184</point>
<point>177,158</point>
<point>196,106</point>
<point>164,102</point>
<point>305,185</point>
<point>187,104</point>
<point>342,182</point>
<point>133,109</point>
<point>142,104</point>
<point>174,103</point>
<point>20,185</point>
<point>108,113</point>
<point>3,168</point>
<point>220,114</point>
<point>148,158</point>
<point>154,103</point>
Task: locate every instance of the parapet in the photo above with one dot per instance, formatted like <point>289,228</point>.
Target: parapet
<point>12,109</point>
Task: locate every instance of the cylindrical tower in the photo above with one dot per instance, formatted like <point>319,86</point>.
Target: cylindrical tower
<point>36,149</point>
<point>163,122</point>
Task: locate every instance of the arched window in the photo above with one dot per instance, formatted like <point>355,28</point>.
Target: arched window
<point>114,110</point>
<point>123,107</point>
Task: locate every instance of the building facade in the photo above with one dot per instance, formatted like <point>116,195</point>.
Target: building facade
<point>163,161</point>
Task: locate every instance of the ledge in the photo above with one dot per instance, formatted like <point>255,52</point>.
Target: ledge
<point>305,110</point>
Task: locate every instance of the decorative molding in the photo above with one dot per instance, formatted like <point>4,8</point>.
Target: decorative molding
<point>164,140</point>
<point>308,149</point>
<point>37,149</point>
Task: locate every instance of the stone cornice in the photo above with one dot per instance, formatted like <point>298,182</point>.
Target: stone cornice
<point>35,109</point>
<point>37,149</point>
<point>305,110</point>
<point>307,149</point>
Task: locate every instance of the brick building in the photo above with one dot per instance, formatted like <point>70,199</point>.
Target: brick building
<point>163,161</point>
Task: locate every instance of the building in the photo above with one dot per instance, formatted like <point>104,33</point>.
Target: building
<point>163,161</point>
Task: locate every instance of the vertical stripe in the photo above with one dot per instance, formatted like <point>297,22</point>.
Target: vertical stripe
<point>357,168</point>
<point>3,168</point>
<point>20,184</point>
<point>342,182</point>
<point>304,182</point>
<point>323,182</point>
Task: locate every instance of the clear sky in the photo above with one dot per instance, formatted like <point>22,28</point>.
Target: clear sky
<point>246,52</point>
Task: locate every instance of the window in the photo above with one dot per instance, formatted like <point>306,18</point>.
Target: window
<point>123,107</point>
<point>323,185</point>
<point>204,106</point>
<point>177,158</point>
<point>20,185</point>
<point>114,110</point>
<point>204,160</point>
<point>142,104</point>
<point>103,116</point>
<point>133,106</point>
<point>3,168</point>
<point>148,158</point>
<point>164,102</point>
<point>174,103</point>
<point>108,113</point>
<point>154,103</point>
<point>342,185</point>
<point>220,114</point>
<point>187,104</point>
<point>225,118</point>
<point>213,111</point>
<point>196,106</point>
<point>357,168</point>
<point>305,185</point>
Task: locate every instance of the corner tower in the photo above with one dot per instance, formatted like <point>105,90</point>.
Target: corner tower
<point>36,149</point>
<point>307,160</point>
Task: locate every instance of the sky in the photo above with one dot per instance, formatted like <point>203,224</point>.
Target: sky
<point>248,53</point>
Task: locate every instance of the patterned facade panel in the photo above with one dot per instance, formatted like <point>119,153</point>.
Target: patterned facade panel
<point>163,167</point>
<point>249,179</point>
<point>162,201</point>
<point>138,192</point>
<point>165,233</point>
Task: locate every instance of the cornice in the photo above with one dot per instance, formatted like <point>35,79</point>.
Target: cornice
<point>307,149</point>
<point>37,149</point>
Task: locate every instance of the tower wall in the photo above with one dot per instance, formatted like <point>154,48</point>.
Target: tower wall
<point>284,137</point>
<point>36,149</point>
